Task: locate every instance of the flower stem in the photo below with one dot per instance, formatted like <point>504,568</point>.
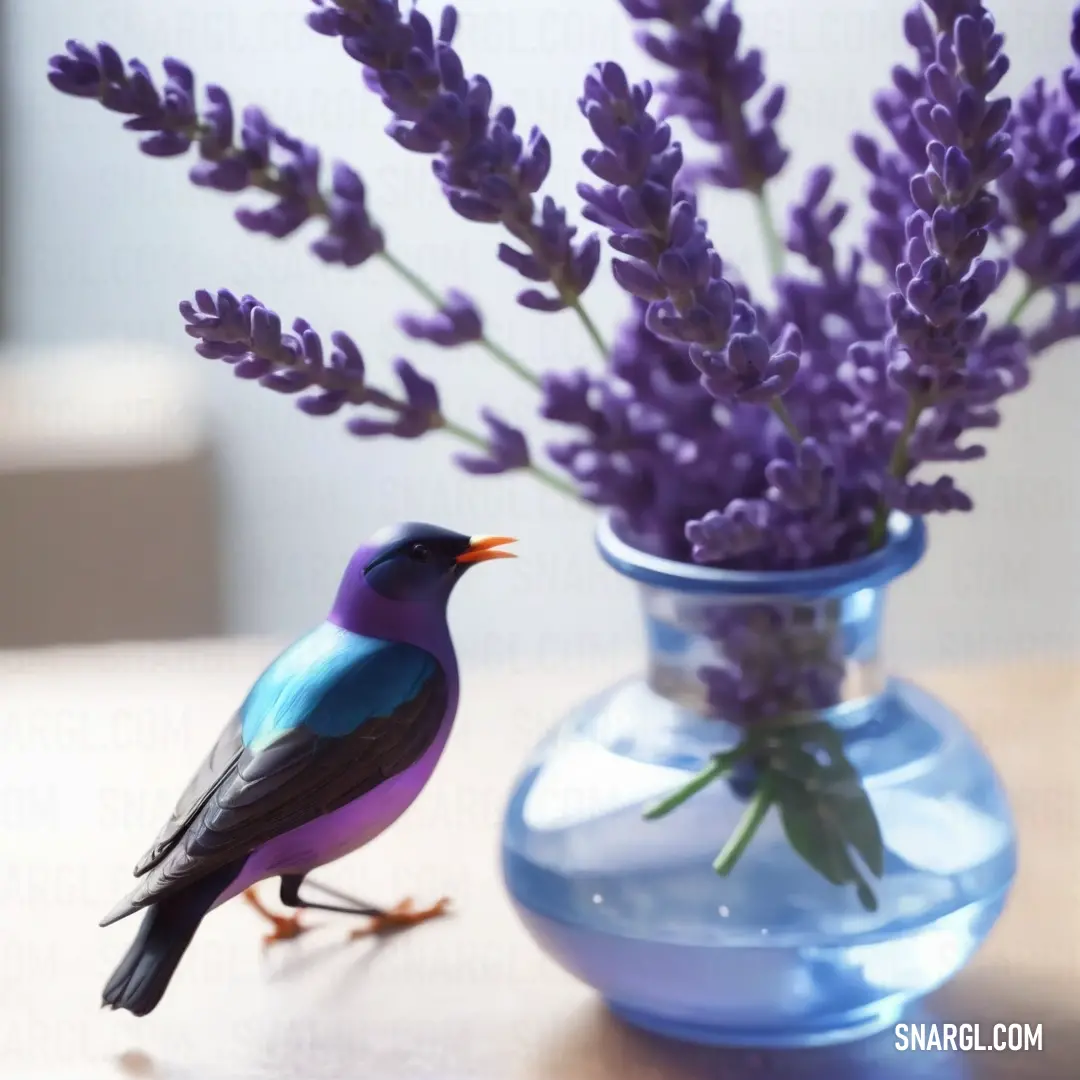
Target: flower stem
<point>898,465</point>
<point>782,414</point>
<point>590,328</point>
<point>748,825</point>
<point>1022,302</point>
<point>774,246</point>
<point>419,285</point>
<point>412,278</point>
<point>537,472</point>
<point>720,765</point>
<point>516,366</point>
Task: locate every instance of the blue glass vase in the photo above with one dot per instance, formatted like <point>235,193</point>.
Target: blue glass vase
<point>772,954</point>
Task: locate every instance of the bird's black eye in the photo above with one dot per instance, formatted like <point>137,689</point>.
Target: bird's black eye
<point>419,552</point>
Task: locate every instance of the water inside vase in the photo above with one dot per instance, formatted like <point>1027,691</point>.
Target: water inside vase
<point>635,908</point>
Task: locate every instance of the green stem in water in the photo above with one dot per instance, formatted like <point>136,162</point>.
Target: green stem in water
<point>590,327</point>
<point>1022,302</point>
<point>748,825</point>
<point>480,443</point>
<point>419,285</point>
<point>774,246</point>
<point>721,764</point>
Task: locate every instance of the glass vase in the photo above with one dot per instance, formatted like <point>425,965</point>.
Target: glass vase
<point>770,953</point>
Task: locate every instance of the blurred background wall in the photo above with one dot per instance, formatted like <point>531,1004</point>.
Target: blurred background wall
<point>102,242</point>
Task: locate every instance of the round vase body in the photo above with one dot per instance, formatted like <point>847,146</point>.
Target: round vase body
<point>772,954</point>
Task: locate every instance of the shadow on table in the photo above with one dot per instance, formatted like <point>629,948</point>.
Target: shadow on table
<point>599,1047</point>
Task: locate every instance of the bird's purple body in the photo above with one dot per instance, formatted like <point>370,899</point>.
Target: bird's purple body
<point>333,743</point>
<point>319,842</point>
<point>360,610</point>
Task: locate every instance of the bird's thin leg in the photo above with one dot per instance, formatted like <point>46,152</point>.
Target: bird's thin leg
<point>286,927</point>
<point>290,897</point>
<point>382,922</point>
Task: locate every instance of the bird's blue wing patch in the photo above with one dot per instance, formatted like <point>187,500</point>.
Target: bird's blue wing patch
<point>331,681</point>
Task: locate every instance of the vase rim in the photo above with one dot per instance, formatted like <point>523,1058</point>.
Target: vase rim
<point>904,547</point>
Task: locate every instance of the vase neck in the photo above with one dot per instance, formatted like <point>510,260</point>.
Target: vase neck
<point>748,660</point>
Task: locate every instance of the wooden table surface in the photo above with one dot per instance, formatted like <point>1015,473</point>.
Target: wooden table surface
<point>98,742</point>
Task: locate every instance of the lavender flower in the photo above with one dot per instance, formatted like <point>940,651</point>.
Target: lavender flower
<point>938,497</point>
<point>893,171</point>
<point>1062,324</point>
<point>751,370</point>
<point>670,261</point>
<point>943,280</point>
<point>457,322</point>
<point>779,660</point>
<point>266,158</point>
<point>838,294</point>
<point>615,462</point>
<point>488,172</point>
<point>712,88</point>
<point>506,450</point>
<point>1035,194</point>
<point>248,336</point>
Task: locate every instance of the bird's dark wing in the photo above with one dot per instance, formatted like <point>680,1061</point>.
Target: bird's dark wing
<point>324,735</point>
<point>223,757</point>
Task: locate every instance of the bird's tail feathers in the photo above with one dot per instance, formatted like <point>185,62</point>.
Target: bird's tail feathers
<point>143,975</point>
<point>141,978</point>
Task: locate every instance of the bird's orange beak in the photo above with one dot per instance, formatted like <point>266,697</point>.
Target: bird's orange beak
<point>483,548</point>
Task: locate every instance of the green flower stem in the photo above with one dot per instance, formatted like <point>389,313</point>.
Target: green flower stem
<point>419,285</point>
<point>748,826</point>
<point>1022,302</point>
<point>774,246</point>
<point>721,764</point>
<point>590,327</point>
<point>782,414</point>
<point>504,358</point>
<point>898,465</point>
<point>480,443</point>
<point>412,278</point>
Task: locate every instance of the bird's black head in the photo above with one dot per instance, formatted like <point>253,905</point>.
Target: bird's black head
<point>422,563</point>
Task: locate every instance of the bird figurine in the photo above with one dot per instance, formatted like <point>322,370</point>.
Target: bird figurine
<point>331,745</point>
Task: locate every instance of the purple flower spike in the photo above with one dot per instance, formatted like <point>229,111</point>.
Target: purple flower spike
<point>670,261</point>
<point>417,411</point>
<point>942,280</point>
<point>724,535</point>
<point>713,87</point>
<point>266,158</point>
<point>940,497</point>
<point>488,170</point>
<point>1063,323</point>
<point>748,370</point>
<point>802,484</point>
<point>1045,130</point>
<point>457,322</point>
<point>507,449</point>
<point>249,336</point>
<point>170,116</point>
<point>836,308</point>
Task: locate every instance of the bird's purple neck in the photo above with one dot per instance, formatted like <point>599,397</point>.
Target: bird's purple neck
<point>361,610</point>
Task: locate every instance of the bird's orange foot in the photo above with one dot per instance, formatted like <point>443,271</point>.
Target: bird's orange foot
<point>286,927</point>
<point>400,918</point>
